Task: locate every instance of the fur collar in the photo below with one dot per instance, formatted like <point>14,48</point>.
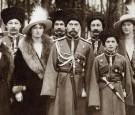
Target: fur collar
<point>31,58</point>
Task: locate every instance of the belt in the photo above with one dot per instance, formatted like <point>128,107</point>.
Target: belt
<point>111,79</point>
<point>77,72</point>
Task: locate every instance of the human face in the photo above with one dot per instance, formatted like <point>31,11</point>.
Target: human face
<point>37,31</point>
<point>96,27</point>
<point>127,27</point>
<point>73,28</point>
<point>59,26</point>
<point>111,44</point>
<point>13,26</point>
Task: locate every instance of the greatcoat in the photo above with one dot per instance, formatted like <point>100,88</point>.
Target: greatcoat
<point>57,78</point>
<point>101,95</point>
<point>6,70</point>
<point>28,72</point>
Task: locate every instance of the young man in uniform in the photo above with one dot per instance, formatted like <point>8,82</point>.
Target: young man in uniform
<point>13,19</point>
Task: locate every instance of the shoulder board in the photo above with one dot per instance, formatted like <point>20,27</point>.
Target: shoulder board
<point>100,55</point>
<point>120,55</point>
<point>85,40</point>
<point>23,35</point>
<point>59,39</point>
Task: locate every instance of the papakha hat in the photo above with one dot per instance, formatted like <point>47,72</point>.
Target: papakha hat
<point>109,32</point>
<point>93,16</point>
<point>13,13</point>
<point>38,16</point>
<point>126,17</point>
<point>57,14</point>
<point>74,14</point>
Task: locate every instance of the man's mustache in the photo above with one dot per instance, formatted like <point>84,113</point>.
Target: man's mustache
<point>13,29</point>
<point>96,31</point>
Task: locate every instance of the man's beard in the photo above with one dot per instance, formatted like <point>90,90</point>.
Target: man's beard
<point>96,32</point>
<point>73,33</point>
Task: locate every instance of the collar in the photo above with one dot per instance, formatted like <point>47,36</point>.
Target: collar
<point>69,37</point>
<point>59,35</point>
<point>107,53</point>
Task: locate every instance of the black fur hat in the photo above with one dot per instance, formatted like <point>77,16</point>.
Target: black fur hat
<point>13,13</point>
<point>74,14</point>
<point>93,16</point>
<point>108,32</point>
<point>57,14</point>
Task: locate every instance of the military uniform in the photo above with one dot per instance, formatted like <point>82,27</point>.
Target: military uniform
<point>12,42</point>
<point>98,48</point>
<point>62,66</point>
<point>118,75</point>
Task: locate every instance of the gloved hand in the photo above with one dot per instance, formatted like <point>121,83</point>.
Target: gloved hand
<point>17,89</point>
<point>19,97</point>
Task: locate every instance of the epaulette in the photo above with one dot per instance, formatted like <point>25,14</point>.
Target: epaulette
<point>85,40</point>
<point>100,55</point>
<point>23,35</point>
<point>59,39</point>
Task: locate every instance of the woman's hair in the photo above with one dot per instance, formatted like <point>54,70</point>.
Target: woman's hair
<point>29,34</point>
<point>108,32</point>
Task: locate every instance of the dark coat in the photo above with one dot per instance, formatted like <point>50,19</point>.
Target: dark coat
<point>29,70</point>
<point>57,79</point>
<point>101,95</point>
<point>6,70</point>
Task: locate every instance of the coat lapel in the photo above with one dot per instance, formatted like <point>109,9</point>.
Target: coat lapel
<point>31,57</point>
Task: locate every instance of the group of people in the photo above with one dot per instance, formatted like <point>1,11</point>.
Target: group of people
<point>65,74</point>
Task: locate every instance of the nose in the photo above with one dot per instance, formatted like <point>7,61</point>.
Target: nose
<point>13,25</point>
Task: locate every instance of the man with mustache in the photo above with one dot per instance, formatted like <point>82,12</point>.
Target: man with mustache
<point>13,19</point>
<point>68,70</point>
<point>58,20</point>
<point>96,25</point>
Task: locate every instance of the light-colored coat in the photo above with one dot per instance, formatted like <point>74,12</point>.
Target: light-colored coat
<point>58,84</point>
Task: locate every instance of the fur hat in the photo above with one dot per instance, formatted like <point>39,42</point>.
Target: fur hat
<point>93,16</point>
<point>38,16</point>
<point>108,32</point>
<point>74,14</point>
<point>13,13</point>
<point>57,14</point>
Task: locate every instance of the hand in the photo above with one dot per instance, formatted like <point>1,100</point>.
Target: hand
<point>97,108</point>
<point>19,97</point>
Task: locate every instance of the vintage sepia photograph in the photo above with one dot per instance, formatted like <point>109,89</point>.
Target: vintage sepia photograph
<point>67,57</point>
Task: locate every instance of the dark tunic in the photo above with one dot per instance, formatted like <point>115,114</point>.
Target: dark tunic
<point>101,95</point>
<point>57,79</point>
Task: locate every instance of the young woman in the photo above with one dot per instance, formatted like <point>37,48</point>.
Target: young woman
<point>30,64</point>
<point>110,85</point>
<point>126,47</point>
